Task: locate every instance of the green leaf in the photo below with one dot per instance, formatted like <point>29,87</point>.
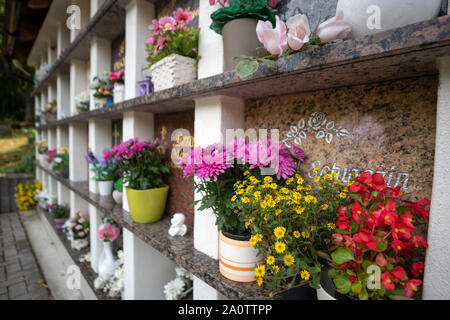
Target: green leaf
<point>342,283</point>
<point>342,255</point>
<point>246,68</point>
<point>363,295</point>
<point>268,63</point>
<point>356,287</point>
<point>356,196</point>
<point>381,246</point>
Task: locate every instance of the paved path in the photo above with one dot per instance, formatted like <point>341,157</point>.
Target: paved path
<point>20,276</point>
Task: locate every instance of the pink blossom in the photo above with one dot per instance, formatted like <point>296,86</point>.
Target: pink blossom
<point>160,45</point>
<point>154,26</point>
<point>334,28</point>
<point>168,23</point>
<point>273,3</point>
<point>116,75</point>
<point>108,233</point>
<point>274,40</point>
<point>182,17</point>
<point>152,40</point>
<point>299,31</point>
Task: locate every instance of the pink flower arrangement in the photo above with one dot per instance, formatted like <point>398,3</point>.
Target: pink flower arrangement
<point>129,149</point>
<point>210,162</point>
<point>274,40</point>
<point>108,233</point>
<point>334,28</point>
<point>116,76</point>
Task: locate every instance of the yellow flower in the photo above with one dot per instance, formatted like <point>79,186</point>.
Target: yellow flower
<point>300,181</point>
<point>275,269</point>
<point>246,173</point>
<point>280,247</point>
<point>305,275</point>
<point>259,281</point>
<point>316,169</point>
<point>270,260</point>
<point>297,195</point>
<point>289,181</point>
<point>296,234</point>
<point>240,191</point>
<point>317,179</point>
<point>278,211</point>
<point>274,186</point>
<point>331,226</point>
<point>279,232</point>
<point>310,198</point>
<point>233,198</point>
<point>245,200</point>
<point>268,179</point>
<point>288,260</point>
<point>263,204</point>
<point>343,195</point>
<point>305,235</point>
<point>335,175</point>
<point>284,190</point>
<point>299,210</point>
<point>254,239</point>
<point>260,271</point>
<point>257,195</point>
<point>324,206</point>
<point>328,176</point>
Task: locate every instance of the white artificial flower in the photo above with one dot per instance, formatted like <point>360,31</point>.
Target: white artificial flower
<point>173,289</point>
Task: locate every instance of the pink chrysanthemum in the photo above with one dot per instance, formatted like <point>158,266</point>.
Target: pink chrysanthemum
<point>108,233</point>
<point>182,17</point>
<point>167,23</point>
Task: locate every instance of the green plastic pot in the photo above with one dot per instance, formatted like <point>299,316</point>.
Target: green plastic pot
<point>147,206</point>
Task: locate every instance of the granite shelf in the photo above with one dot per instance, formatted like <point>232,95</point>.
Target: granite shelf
<point>406,52</point>
<point>178,249</point>
<point>85,267</point>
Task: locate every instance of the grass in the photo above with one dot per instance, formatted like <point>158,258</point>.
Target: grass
<point>13,147</point>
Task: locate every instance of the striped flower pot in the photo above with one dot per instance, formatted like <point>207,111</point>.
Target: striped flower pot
<point>237,258</point>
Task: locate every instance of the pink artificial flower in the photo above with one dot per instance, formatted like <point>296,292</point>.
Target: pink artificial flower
<point>299,31</point>
<point>334,28</point>
<point>152,40</point>
<point>108,233</point>
<point>116,75</point>
<point>168,23</point>
<point>272,3</point>
<point>183,17</point>
<point>223,3</point>
<point>154,26</point>
<point>161,43</point>
<point>274,40</point>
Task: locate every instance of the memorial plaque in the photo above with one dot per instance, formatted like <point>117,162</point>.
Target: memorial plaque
<point>118,53</point>
<point>387,128</point>
<point>181,194</point>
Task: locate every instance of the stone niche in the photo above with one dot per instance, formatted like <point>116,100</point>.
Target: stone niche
<point>387,128</point>
<point>181,194</point>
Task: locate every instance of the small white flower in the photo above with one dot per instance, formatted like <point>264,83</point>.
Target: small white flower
<point>173,289</point>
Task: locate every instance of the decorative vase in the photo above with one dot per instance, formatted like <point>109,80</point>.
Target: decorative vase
<point>99,103</point>
<point>237,257</point>
<point>147,206</point>
<point>106,265</point>
<point>172,71</point>
<point>393,14</point>
<point>105,188</point>
<point>239,38</point>
<point>327,290</point>
<point>117,196</point>
<point>119,92</point>
<point>145,86</point>
<point>59,222</point>
<point>109,101</point>
<point>80,244</point>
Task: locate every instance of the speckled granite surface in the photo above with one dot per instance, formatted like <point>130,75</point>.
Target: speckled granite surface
<point>179,249</point>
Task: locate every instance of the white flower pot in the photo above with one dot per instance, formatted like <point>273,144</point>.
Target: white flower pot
<point>105,188</point>
<point>172,71</point>
<point>119,92</point>
<point>80,244</point>
<point>393,14</point>
<point>117,196</point>
<point>106,265</point>
<point>99,103</point>
<point>323,295</point>
<point>237,259</point>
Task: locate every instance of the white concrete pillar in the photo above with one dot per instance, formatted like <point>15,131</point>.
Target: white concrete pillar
<point>100,61</point>
<point>96,245</point>
<point>437,263</point>
<point>213,115</point>
<point>78,147</point>
<point>85,14</point>
<point>78,82</point>
<point>99,140</point>
<point>51,92</point>
<point>37,104</point>
<point>51,139</point>
<point>62,140</point>
<point>63,95</point>
<point>62,37</point>
<point>43,100</point>
<point>77,203</point>
<point>51,54</point>
<point>139,15</point>
<point>95,5</point>
<point>146,271</point>
<point>210,44</point>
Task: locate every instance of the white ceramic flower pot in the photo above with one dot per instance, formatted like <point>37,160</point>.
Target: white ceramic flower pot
<point>323,295</point>
<point>106,265</point>
<point>117,196</point>
<point>237,259</point>
<point>393,14</point>
<point>99,103</point>
<point>172,71</point>
<point>80,244</point>
<point>105,188</point>
<point>119,92</point>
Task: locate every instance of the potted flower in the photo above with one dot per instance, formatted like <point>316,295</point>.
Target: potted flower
<point>142,167</point>
<point>107,233</point>
<point>375,242</point>
<point>82,102</point>
<point>289,223</point>
<point>27,195</point>
<point>102,91</point>
<point>60,163</point>
<point>373,16</point>
<point>236,21</point>
<point>60,214</point>
<point>172,50</point>
<point>49,156</point>
<point>116,78</point>
<point>217,168</point>
<point>49,112</point>
<point>77,230</point>
<point>117,193</point>
<point>104,173</point>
